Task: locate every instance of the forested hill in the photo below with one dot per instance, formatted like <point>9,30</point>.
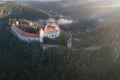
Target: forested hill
<point>26,61</point>
<point>15,10</point>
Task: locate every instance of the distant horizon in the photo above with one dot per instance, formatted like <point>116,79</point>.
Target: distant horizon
<point>31,0</point>
<point>106,2</point>
<point>114,1</point>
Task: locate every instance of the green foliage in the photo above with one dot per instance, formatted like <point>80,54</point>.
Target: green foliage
<point>20,11</point>
<point>31,30</point>
<point>62,39</point>
<point>49,41</point>
<point>26,61</point>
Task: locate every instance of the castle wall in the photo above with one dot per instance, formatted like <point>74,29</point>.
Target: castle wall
<point>29,37</point>
<point>52,35</point>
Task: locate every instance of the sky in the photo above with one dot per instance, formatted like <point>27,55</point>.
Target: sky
<point>29,0</point>
<point>69,0</point>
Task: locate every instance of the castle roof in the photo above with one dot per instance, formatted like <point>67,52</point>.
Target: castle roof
<point>51,28</point>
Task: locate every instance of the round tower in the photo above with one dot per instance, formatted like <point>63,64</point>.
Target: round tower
<point>69,40</point>
<point>17,23</point>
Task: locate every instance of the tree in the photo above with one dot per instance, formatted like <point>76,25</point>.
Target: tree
<point>62,39</point>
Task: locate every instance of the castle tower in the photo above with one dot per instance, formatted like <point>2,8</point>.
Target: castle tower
<point>69,41</point>
<point>41,35</point>
<point>17,23</point>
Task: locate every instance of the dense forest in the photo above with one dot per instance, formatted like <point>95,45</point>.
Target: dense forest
<point>27,61</point>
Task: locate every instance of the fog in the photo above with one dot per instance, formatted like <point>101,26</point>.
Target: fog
<point>60,21</point>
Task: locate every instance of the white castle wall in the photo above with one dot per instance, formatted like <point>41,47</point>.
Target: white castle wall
<point>53,35</point>
<point>42,34</point>
<point>24,38</point>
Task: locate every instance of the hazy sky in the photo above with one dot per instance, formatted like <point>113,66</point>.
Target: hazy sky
<point>68,0</point>
<point>29,0</point>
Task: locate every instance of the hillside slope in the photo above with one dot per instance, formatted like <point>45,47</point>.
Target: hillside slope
<point>16,10</point>
<point>26,61</point>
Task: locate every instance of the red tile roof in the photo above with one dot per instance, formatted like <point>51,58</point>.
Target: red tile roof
<point>26,34</point>
<point>51,29</point>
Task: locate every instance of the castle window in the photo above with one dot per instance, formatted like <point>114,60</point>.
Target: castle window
<point>52,35</point>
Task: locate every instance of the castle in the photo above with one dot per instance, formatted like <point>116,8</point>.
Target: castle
<point>49,30</point>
